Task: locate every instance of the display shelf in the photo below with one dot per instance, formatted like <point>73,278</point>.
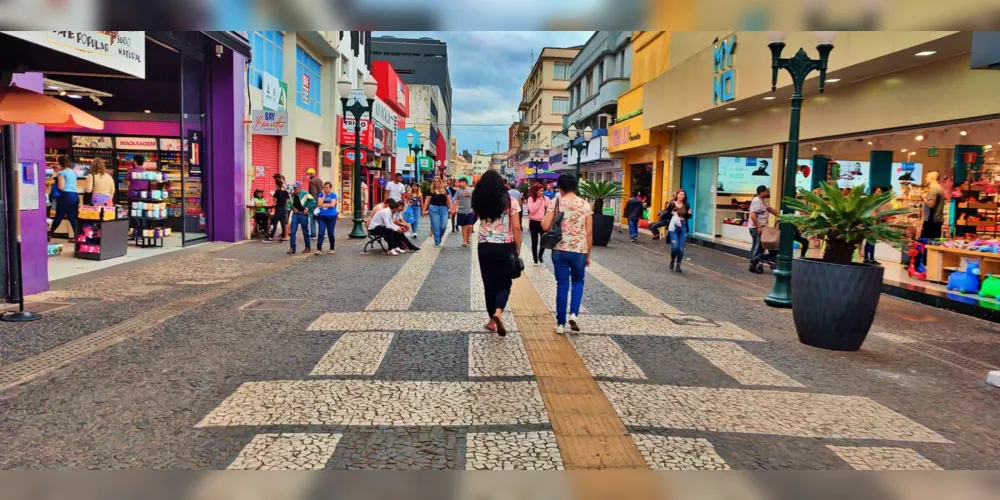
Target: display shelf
<point>111,240</point>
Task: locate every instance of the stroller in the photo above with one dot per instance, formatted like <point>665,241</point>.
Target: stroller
<point>770,258</point>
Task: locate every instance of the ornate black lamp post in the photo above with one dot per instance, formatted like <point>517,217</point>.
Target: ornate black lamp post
<point>416,149</point>
<point>798,66</point>
<point>357,110</point>
<point>572,133</point>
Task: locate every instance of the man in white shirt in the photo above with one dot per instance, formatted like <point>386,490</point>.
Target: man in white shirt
<point>383,223</point>
<point>396,188</point>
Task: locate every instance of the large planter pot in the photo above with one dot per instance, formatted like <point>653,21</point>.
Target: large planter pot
<point>833,304</point>
<point>603,226</point>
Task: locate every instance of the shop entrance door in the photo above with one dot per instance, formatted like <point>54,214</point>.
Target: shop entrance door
<point>196,171</point>
<point>704,208</point>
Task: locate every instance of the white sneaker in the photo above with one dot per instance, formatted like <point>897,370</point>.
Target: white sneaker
<point>394,252</point>
<point>572,323</point>
<point>401,250</point>
<point>560,329</point>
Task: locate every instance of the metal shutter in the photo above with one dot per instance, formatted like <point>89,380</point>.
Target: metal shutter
<point>267,153</point>
<point>306,157</point>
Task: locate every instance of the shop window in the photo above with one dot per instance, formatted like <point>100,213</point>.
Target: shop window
<point>308,82</point>
<point>560,71</point>
<point>268,51</point>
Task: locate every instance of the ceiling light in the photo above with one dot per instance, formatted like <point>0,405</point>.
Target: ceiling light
<point>926,53</point>
<point>62,92</point>
<point>671,126</point>
<point>74,96</point>
<point>920,137</point>
<point>770,98</point>
<point>869,143</point>
<point>815,148</point>
<point>146,111</point>
<point>696,119</point>
<point>988,146</point>
<point>832,80</point>
<point>963,133</point>
<point>730,109</point>
<point>53,87</point>
<point>903,150</point>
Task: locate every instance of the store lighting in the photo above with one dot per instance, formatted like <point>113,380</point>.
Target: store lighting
<point>74,96</point>
<point>988,146</point>
<point>904,150</point>
<point>815,148</point>
<point>926,53</point>
<point>730,109</point>
<point>832,80</point>
<point>53,87</point>
<point>920,137</point>
<point>770,98</point>
<point>671,126</point>
<point>696,119</point>
<point>146,111</point>
<point>869,143</point>
<point>62,92</point>
<point>963,133</point>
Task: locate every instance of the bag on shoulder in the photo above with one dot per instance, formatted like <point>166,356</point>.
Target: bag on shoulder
<point>553,236</point>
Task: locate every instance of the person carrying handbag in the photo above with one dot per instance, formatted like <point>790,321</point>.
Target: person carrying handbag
<point>759,212</point>
<point>569,232</point>
<point>499,244</point>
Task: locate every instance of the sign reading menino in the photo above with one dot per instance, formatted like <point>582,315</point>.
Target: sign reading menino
<point>724,82</point>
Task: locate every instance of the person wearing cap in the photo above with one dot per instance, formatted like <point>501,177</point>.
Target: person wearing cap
<point>316,190</point>
<point>303,204</point>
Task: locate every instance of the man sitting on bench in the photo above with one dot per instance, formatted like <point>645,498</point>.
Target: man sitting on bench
<point>383,225</point>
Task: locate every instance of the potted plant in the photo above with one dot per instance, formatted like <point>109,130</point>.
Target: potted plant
<point>834,299</point>
<point>597,192</point>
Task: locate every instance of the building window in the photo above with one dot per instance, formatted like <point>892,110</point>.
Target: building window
<point>308,82</point>
<point>590,85</point>
<point>268,52</point>
<point>560,71</point>
<point>560,105</point>
<point>600,72</point>
<point>344,63</point>
<point>361,80</point>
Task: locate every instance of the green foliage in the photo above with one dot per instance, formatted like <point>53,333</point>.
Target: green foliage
<point>844,221</point>
<point>597,192</point>
<point>524,187</point>
<point>425,188</point>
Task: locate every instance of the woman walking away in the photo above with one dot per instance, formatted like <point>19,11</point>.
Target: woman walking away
<point>414,204</point>
<point>438,206</point>
<point>538,204</point>
<point>327,218</point>
<point>68,202</point>
<point>499,243</point>
<point>571,255</point>
<point>677,235</point>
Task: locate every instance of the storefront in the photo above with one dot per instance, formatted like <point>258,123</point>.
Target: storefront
<point>396,96</point>
<point>181,108</point>
<point>366,156</point>
<point>644,154</point>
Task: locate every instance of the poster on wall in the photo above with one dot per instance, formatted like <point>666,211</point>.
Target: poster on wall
<point>905,174</point>
<point>91,141</point>
<point>28,186</point>
<point>170,144</point>
<point>853,173</point>
<point>742,175</point>
<point>194,160</point>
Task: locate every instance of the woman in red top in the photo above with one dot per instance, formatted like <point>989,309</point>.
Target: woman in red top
<point>538,204</point>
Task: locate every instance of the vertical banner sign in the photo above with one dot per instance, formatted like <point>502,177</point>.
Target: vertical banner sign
<point>347,176</point>
<point>305,88</point>
<point>194,149</point>
<point>724,81</point>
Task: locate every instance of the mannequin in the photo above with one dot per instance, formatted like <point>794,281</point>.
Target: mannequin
<point>933,208</point>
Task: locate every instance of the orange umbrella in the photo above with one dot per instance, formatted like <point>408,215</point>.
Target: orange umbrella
<point>18,106</point>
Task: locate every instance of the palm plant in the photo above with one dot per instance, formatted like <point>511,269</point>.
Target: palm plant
<point>597,192</point>
<point>844,221</point>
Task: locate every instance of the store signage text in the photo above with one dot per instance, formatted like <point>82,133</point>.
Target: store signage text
<point>305,88</point>
<point>269,122</point>
<point>623,136</point>
<point>724,81</point>
<point>347,131</point>
<point>384,115</point>
<point>275,93</point>
<point>349,156</point>
<point>136,143</point>
<point>123,51</point>
<point>91,141</point>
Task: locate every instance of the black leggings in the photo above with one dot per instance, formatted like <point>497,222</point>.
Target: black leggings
<point>537,250</point>
<point>495,265</point>
<point>803,242</point>
<point>280,216</point>
<point>393,239</point>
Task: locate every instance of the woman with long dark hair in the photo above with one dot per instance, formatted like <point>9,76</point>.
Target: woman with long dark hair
<point>499,243</point>
<point>677,234</point>
<point>538,204</point>
<point>571,256</point>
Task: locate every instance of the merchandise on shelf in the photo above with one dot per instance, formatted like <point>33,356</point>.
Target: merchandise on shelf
<point>150,210</point>
<point>54,249</point>
<point>87,212</point>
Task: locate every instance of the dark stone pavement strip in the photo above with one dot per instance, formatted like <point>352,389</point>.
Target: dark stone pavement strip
<point>446,288</point>
<point>426,356</point>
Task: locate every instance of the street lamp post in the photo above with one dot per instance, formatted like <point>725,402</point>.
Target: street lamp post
<point>798,66</point>
<point>416,149</point>
<point>357,110</point>
<point>572,133</point>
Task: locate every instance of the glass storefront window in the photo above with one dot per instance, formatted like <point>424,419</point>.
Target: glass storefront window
<point>196,170</point>
<point>704,208</point>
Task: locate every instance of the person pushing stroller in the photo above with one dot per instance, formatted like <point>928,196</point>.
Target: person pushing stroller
<point>760,210</point>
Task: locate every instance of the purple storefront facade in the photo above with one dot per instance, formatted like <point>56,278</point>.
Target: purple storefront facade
<point>222,108</point>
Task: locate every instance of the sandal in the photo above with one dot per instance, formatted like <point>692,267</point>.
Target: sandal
<point>491,326</point>
<point>501,331</point>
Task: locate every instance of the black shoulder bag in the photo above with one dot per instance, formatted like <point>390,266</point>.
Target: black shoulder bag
<point>553,236</point>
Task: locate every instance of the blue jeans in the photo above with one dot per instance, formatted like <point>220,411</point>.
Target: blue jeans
<point>570,268</point>
<point>678,239</point>
<point>413,213</point>
<point>300,220</point>
<point>633,228</point>
<point>439,222</point>
<point>67,207</point>
<point>313,225</point>
<point>327,224</point>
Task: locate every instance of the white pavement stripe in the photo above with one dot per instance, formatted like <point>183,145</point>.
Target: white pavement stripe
<point>398,293</point>
<point>380,402</point>
<point>542,279</point>
<point>755,411</point>
<point>883,458</point>
<point>640,298</point>
<point>355,353</point>
<point>740,364</point>
<point>605,358</point>
<point>287,451</point>
<point>477,294</point>
<point>678,453</point>
<point>512,451</point>
<point>397,321</point>
<point>495,356</point>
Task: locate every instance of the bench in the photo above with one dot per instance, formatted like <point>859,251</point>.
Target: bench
<point>374,239</point>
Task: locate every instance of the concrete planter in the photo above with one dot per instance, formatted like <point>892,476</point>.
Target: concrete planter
<point>833,304</point>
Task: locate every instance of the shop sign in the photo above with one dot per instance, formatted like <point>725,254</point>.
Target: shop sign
<point>932,152</point>
<point>91,141</point>
<point>628,134</point>
<point>123,51</point>
<point>379,136</point>
<point>170,144</point>
<point>383,114</point>
<point>724,81</point>
<point>349,156</point>
<point>136,143</point>
<point>347,131</point>
<point>275,93</point>
<point>194,160</point>
<point>596,150</point>
<point>425,163</point>
<point>269,122</point>
<point>305,88</point>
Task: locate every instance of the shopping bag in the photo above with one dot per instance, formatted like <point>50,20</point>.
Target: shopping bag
<point>769,238</point>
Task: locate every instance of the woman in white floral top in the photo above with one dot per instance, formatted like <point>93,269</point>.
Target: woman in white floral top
<point>571,255</point>
<point>499,243</point>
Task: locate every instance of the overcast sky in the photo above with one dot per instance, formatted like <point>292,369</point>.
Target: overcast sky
<point>487,71</point>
